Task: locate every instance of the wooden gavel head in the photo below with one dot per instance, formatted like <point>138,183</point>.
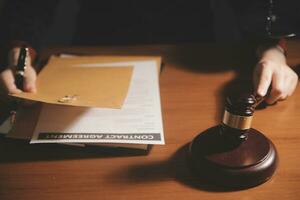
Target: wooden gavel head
<point>233,154</point>
<point>238,115</point>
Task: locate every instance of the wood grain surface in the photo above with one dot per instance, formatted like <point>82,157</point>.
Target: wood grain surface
<point>193,83</point>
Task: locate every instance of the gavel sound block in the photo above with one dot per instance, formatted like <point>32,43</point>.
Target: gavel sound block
<point>233,154</point>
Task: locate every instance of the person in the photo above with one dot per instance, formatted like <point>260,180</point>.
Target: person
<point>132,20</point>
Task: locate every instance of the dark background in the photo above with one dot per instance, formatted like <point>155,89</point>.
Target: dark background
<point>119,22</point>
<point>63,27</point>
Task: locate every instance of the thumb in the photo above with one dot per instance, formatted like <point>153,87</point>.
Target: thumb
<point>8,82</point>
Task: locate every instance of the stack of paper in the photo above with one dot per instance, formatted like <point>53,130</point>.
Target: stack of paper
<point>94,100</point>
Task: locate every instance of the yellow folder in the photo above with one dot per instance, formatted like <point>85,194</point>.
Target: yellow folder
<point>65,81</point>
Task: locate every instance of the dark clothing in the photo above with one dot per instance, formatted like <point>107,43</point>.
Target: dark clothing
<point>114,21</point>
<point>136,21</point>
<point>25,20</point>
<point>109,22</point>
<point>251,17</point>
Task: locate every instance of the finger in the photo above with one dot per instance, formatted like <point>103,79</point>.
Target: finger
<point>264,79</point>
<point>30,80</point>
<point>293,82</point>
<point>8,80</point>
<point>282,98</point>
<point>278,91</point>
<point>273,97</point>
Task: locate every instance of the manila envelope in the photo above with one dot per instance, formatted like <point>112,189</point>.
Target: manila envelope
<point>62,81</point>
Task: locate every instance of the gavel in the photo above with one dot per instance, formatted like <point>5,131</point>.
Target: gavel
<point>232,154</point>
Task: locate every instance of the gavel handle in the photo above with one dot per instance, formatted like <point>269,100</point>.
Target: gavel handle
<point>258,99</point>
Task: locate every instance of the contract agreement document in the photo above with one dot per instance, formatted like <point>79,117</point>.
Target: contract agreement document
<point>139,121</point>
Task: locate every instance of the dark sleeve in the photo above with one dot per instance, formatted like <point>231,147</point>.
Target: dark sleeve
<point>24,21</point>
<point>251,17</point>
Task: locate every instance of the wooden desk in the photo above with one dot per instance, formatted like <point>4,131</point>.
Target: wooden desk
<point>192,83</point>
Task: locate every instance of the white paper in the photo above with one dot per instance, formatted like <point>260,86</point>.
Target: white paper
<point>138,122</point>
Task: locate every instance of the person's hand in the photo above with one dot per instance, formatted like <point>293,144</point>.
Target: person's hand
<point>272,71</point>
<point>7,80</point>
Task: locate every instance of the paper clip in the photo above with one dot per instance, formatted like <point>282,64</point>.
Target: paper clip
<point>67,99</point>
